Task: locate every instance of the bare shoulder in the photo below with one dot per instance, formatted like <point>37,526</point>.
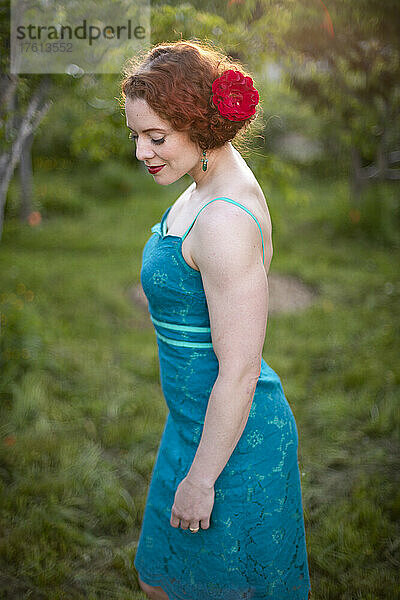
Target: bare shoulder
<point>221,225</point>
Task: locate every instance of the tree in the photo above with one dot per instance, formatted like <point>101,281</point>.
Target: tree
<point>351,73</point>
<point>17,129</point>
<point>23,104</point>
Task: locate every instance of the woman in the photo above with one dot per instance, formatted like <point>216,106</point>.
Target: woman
<point>223,518</point>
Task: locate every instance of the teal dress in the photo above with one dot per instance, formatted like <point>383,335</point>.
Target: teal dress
<point>255,545</point>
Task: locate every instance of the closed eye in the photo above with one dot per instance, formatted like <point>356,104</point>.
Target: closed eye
<point>133,137</point>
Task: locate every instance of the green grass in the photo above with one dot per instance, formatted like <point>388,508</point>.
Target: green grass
<point>82,410</point>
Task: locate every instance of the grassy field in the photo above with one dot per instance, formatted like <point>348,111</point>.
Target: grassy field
<point>82,410</point>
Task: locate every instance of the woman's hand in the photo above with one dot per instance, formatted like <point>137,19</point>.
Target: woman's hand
<point>193,504</point>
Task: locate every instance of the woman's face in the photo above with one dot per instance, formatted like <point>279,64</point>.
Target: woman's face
<point>158,144</point>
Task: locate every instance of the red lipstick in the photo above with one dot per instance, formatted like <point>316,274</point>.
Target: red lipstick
<point>153,170</point>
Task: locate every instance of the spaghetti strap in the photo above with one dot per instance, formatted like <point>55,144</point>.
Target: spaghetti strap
<point>232,202</point>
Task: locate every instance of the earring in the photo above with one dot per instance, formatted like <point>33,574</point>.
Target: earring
<point>204,161</point>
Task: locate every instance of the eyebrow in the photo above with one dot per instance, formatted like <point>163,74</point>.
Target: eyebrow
<point>150,129</point>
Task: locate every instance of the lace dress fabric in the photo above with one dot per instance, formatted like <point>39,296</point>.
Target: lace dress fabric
<point>255,546</point>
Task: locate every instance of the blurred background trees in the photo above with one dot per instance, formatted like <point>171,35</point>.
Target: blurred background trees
<point>329,83</point>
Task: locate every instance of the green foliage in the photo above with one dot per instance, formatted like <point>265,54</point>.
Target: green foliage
<point>185,21</point>
<point>380,214</point>
<point>53,199</point>
<point>67,113</point>
<point>376,221</point>
<point>86,122</point>
<point>52,196</point>
<point>21,340</point>
<point>110,181</point>
<point>350,73</point>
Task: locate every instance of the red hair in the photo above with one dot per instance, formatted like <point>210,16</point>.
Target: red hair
<point>175,80</point>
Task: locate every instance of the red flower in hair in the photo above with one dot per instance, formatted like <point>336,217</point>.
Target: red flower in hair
<point>234,95</point>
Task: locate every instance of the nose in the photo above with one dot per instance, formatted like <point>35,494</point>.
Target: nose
<point>144,150</point>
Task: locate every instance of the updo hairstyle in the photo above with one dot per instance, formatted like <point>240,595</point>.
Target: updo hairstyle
<point>175,80</point>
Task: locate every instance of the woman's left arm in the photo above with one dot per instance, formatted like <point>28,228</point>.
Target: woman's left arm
<point>236,288</point>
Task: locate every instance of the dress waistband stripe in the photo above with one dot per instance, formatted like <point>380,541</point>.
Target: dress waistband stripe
<point>181,343</point>
<point>175,327</point>
<point>182,329</point>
